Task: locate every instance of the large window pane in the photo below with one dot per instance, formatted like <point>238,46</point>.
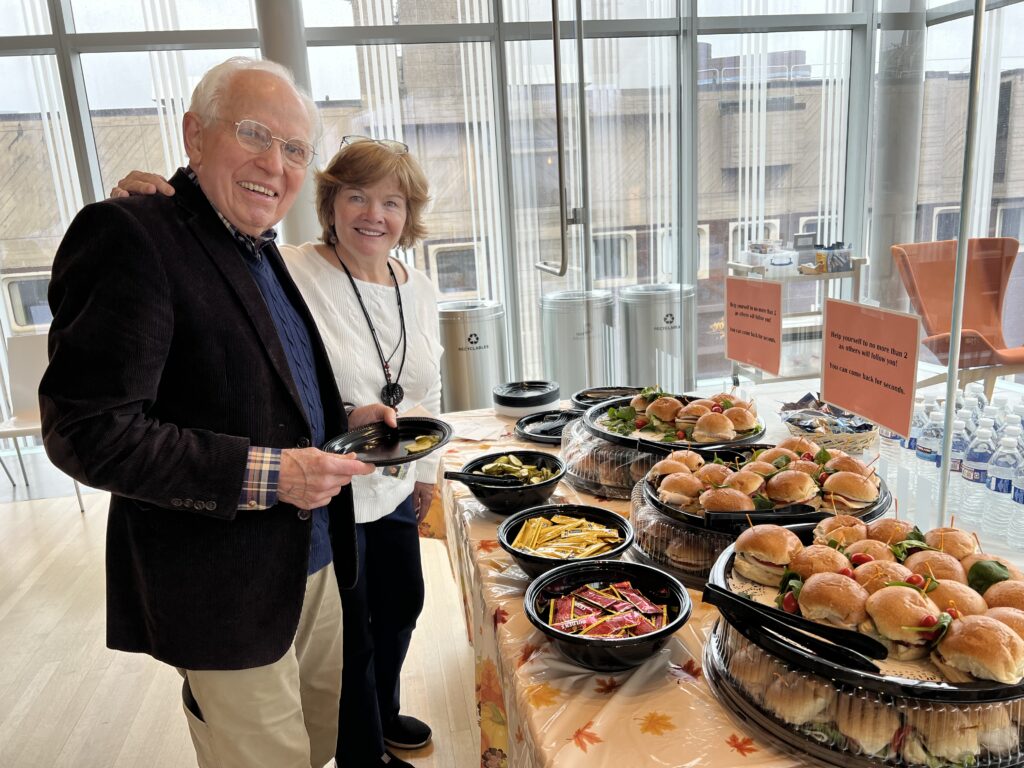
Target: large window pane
<point>438,100</point>
<point>135,16</point>
<point>39,183</point>
<point>772,145</point>
<point>540,10</point>
<point>136,102</point>
<point>24,17</point>
<point>369,13</point>
<point>770,7</point>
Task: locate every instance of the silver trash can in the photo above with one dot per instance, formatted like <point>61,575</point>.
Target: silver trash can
<point>578,334</point>
<point>473,336</point>
<point>653,318</point>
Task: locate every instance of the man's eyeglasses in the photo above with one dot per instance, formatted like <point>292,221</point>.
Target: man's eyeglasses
<point>257,138</point>
<point>390,144</point>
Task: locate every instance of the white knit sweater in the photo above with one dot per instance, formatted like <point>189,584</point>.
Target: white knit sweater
<point>354,359</point>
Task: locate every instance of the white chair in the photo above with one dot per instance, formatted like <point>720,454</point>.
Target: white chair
<point>27,359</point>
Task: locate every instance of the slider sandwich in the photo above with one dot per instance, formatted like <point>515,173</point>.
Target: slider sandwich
<point>690,553</point>
<point>714,428</point>
<point>664,409</point>
<point>800,445</point>
<point>1006,594</point>
<point>843,529</point>
<point>996,732</point>
<point>667,467</point>
<point>789,487</point>
<point>937,565</point>
<point>940,737</point>
<point>980,647</point>
<point>745,481</point>
<point>890,530</point>
<point>952,541</point>
<point>688,415</point>
<point>713,474</point>
<point>742,419</point>
<point>771,454</point>
<point>876,550</point>
<point>1011,617</point>
<point>869,728</point>
<point>691,459</point>
<point>762,553</point>
<point>754,670</point>
<point>844,491</point>
<point>807,467</point>
<point>800,700</point>
<point>725,500</point>
<point>957,599</point>
<point>847,464</point>
<point>817,558</point>
<point>971,560</point>
<point>901,618</point>
<point>680,489</point>
<point>835,599</point>
<point>762,468</point>
<point>877,574</point>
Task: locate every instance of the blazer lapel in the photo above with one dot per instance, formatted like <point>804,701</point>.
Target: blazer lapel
<point>214,238</point>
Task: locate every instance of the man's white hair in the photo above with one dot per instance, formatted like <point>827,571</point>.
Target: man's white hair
<point>211,90</point>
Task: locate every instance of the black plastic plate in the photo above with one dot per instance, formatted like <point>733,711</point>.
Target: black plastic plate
<point>587,398</point>
<point>386,446</point>
<point>592,421</point>
<point>546,426</point>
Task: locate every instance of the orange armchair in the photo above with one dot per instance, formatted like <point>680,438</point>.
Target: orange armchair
<point>928,270</point>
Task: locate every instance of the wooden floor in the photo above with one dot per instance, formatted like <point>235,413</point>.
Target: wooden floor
<point>66,700</point>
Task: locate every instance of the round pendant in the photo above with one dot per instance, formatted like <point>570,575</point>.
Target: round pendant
<point>392,394</point>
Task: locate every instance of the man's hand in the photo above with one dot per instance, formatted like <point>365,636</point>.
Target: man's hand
<point>310,478</point>
<point>422,496</point>
<point>142,183</point>
<point>368,414</point>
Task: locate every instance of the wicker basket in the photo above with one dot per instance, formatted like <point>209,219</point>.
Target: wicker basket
<point>851,442</point>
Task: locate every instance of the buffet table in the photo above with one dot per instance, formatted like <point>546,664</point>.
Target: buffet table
<point>536,708</point>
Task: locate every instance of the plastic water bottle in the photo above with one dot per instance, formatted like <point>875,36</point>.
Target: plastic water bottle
<point>974,407</point>
<point>917,425</point>
<point>929,454</point>
<point>975,473</point>
<point>1015,535</point>
<point>889,448</point>
<point>977,389</point>
<point>991,412</point>
<point>1002,403</point>
<point>954,465</point>
<point>967,418</point>
<point>931,404</point>
<point>1010,421</point>
<point>1018,434</point>
<point>1018,408</point>
<point>1002,468</point>
<point>986,423</point>
<point>959,402</point>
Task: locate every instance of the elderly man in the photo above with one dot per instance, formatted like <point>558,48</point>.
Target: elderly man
<point>187,378</point>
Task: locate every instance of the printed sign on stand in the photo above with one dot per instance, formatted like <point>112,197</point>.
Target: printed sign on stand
<point>869,362</point>
<point>753,323</point>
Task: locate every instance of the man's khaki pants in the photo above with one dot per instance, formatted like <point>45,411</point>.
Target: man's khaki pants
<point>283,715</point>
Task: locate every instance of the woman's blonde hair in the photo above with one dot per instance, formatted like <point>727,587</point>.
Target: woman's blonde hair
<point>365,163</point>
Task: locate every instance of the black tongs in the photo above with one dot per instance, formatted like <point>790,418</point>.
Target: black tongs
<point>494,481</point>
<point>842,646</point>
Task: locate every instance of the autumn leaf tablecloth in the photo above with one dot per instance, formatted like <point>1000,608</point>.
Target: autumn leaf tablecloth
<point>538,709</point>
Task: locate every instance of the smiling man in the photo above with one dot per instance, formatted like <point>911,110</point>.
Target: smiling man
<point>187,378</point>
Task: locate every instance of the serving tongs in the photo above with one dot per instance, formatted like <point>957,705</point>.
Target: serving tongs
<point>840,646</point>
<point>492,481</point>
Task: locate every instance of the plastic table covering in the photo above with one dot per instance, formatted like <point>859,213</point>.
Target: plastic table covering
<point>535,707</point>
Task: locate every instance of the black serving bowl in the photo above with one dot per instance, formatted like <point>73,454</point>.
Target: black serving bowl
<point>598,654</point>
<point>509,499</point>
<point>535,565</point>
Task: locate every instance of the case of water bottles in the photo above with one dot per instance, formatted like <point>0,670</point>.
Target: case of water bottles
<point>986,464</point>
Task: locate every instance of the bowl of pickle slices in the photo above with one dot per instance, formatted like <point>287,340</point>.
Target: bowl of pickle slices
<point>553,534</point>
<point>537,473</point>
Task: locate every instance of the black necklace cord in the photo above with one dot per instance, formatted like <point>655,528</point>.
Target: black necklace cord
<point>391,391</point>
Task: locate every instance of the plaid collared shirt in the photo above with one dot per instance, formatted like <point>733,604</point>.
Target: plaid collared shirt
<point>263,466</point>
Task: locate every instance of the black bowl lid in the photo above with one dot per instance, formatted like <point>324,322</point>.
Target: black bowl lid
<point>526,394</point>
